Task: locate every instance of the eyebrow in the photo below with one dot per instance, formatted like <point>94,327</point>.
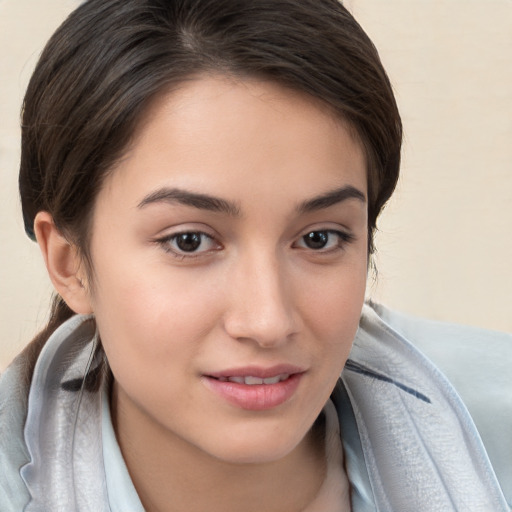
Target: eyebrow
<point>216,204</point>
<point>194,199</point>
<point>331,198</point>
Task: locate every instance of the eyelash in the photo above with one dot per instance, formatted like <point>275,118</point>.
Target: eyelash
<point>343,239</point>
<point>166,243</point>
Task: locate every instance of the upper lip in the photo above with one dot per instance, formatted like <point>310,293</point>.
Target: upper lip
<point>258,371</point>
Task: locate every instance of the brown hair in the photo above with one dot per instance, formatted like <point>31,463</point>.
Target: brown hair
<point>109,58</point>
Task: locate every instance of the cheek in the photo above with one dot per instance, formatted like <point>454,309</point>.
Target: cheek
<point>332,313</point>
<point>154,318</point>
<point>151,335</point>
<point>332,304</point>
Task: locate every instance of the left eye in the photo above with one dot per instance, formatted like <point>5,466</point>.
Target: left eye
<point>323,240</point>
<point>189,242</point>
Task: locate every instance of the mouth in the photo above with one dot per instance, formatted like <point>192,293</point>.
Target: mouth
<point>250,380</point>
<point>255,389</point>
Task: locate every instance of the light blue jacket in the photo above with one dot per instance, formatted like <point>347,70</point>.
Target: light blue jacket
<point>410,443</point>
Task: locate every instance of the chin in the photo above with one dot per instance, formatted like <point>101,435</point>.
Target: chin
<point>256,447</point>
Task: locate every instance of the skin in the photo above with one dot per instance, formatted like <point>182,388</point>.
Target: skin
<point>252,293</point>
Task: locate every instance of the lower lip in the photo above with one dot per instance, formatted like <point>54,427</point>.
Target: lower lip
<point>258,397</point>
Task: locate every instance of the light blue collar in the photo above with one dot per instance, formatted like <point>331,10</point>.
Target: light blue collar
<point>122,495</point>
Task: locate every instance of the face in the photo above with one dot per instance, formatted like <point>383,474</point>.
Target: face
<point>229,251</point>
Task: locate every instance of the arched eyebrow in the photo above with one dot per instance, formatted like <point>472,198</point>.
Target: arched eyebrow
<point>193,199</point>
<point>331,198</point>
<point>216,204</point>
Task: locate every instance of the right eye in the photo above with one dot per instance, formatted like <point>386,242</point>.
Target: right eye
<point>188,243</point>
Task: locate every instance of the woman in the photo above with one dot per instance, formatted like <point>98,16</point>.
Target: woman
<point>204,179</point>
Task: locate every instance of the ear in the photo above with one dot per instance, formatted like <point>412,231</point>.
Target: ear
<point>63,263</point>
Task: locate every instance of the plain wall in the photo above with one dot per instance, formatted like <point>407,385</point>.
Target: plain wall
<point>445,244</point>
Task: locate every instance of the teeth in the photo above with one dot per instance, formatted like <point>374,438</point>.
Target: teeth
<point>238,380</point>
<point>249,380</point>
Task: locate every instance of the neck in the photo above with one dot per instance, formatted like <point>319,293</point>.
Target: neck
<point>171,475</point>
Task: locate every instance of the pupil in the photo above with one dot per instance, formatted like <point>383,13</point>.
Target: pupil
<point>316,239</point>
<point>188,242</point>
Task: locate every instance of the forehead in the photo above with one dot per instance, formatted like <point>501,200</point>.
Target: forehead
<point>237,136</point>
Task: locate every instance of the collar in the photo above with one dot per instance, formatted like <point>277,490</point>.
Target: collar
<point>122,495</point>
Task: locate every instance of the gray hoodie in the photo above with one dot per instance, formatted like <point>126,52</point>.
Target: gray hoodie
<point>410,443</point>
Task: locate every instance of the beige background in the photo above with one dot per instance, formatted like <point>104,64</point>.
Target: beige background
<point>445,247</point>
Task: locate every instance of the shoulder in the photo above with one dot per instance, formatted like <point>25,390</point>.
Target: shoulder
<point>37,399</point>
<point>475,361</point>
<point>13,451</point>
<point>477,364</point>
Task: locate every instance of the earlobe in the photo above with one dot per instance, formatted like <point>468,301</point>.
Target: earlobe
<point>63,263</point>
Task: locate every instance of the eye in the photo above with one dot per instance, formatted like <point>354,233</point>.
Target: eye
<point>324,240</point>
<point>188,243</point>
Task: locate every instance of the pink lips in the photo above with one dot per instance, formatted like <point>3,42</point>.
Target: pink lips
<point>254,388</point>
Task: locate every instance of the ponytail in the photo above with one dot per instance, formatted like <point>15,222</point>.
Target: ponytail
<point>59,313</point>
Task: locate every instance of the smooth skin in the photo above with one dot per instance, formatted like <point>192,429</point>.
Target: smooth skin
<point>233,233</point>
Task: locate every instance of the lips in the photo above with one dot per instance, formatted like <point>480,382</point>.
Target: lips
<point>255,389</point>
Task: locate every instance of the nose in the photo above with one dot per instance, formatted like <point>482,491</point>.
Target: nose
<point>261,305</point>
